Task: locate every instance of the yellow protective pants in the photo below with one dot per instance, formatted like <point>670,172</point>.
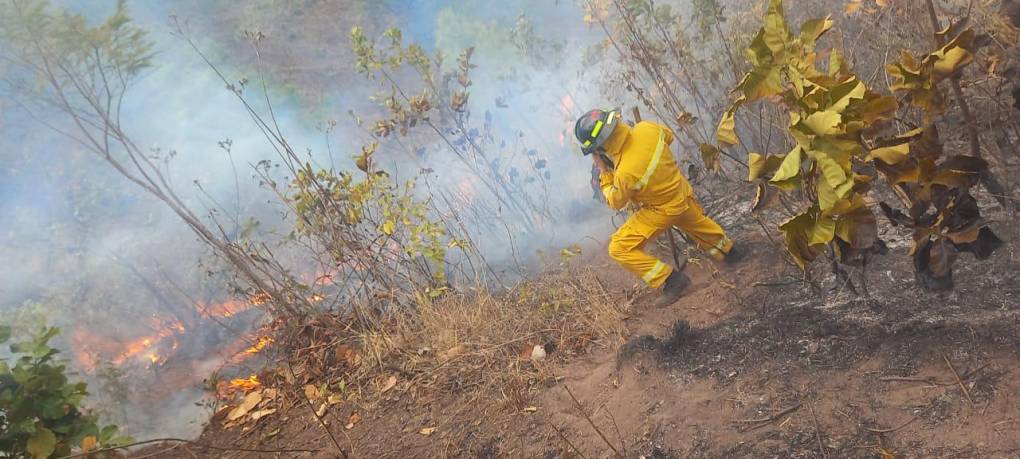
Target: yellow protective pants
<point>627,244</point>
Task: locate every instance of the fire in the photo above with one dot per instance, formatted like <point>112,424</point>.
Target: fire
<point>246,384</point>
<point>567,104</point>
<point>259,346</point>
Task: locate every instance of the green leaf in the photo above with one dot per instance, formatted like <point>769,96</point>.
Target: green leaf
<point>790,167</point>
<point>42,444</point>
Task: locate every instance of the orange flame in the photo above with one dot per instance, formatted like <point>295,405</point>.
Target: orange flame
<point>259,346</point>
<point>246,384</point>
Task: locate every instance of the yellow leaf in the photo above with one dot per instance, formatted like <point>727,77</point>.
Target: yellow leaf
<point>710,156</point>
<point>388,226</point>
<point>823,231</point>
<point>427,431</point>
<point>790,167</point>
<point>811,30</point>
<point>755,166</point>
<point>726,132</point>
<point>88,443</point>
<point>891,155</point>
<point>825,122</point>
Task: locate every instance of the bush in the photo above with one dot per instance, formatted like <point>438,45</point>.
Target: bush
<point>40,410</point>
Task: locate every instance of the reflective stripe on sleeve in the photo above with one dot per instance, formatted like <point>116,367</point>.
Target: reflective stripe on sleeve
<point>654,163</point>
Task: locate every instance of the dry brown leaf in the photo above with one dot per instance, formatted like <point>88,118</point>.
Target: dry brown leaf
<point>322,409</point>
<point>255,416</point>
<point>348,354</point>
<point>427,431</point>
<point>334,399</point>
<point>452,352</point>
<point>354,419</point>
<point>246,405</point>
<point>882,3</point>
<point>270,394</point>
<point>311,392</point>
<point>392,381</point>
<point>853,6</point>
<point>88,443</point>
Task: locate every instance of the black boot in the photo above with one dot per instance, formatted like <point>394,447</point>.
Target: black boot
<point>735,255</point>
<point>673,289</point>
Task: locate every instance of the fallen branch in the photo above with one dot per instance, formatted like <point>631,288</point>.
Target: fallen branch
<point>194,443</point>
<point>958,379</point>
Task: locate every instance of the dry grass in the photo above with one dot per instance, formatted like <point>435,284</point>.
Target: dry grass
<point>469,342</point>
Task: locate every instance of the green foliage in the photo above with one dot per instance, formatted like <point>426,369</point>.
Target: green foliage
<point>831,111</point>
<point>40,410</point>
<point>361,216</point>
<point>112,53</point>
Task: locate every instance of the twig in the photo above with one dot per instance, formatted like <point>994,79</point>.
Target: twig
<point>818,432</point>
<point>882,431</point>
<point>623,443</point>
<point>315,413</point>
<point>776,284</point>
<point>958,380</point>
<point>564,438</point>
<point>195,443</point>
<point>762,422</point>
<point>588,418</point>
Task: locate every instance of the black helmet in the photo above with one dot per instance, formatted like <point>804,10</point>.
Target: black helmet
<point>594,129</point>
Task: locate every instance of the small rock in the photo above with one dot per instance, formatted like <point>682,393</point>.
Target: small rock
<point>537,353</point>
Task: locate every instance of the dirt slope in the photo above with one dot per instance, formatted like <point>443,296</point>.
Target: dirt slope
<point>750,363</point>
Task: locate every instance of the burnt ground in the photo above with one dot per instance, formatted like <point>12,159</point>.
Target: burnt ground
<point>752,362</point>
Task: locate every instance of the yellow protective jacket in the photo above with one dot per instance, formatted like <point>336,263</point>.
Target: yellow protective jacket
<point>645,171</point>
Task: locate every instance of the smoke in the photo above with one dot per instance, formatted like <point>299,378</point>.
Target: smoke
<point>90,252</point>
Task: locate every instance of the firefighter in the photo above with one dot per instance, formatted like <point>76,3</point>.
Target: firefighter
<point>636,166</point>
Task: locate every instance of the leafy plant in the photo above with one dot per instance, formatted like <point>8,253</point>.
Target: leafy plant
<point>832,114</point>
<point>41,412</point>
